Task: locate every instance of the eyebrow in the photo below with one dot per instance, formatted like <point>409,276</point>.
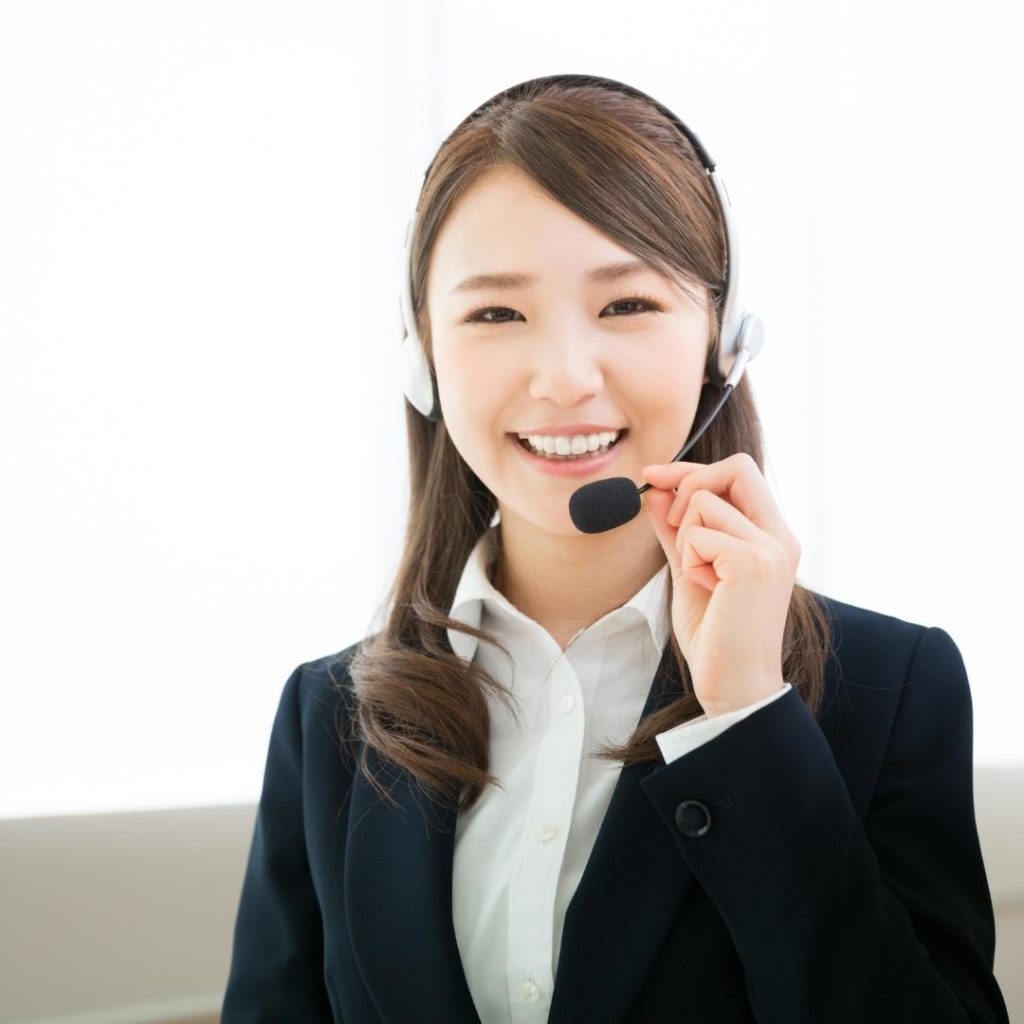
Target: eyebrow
<point>609,272</point>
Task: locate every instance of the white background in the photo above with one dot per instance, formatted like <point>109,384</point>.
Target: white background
<point>203,455</point>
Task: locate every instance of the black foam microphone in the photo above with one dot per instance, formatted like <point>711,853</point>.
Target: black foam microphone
<point>605,504</point>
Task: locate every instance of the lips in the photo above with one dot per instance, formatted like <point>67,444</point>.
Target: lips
<point>571,429</point>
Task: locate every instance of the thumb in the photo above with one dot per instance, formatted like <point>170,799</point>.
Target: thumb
<point>658,502</point>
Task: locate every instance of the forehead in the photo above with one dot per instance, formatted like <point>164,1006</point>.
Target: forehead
<point>506,222</point>
<point>502,188</point>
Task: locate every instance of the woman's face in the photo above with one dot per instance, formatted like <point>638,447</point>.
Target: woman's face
<point>557,350</point>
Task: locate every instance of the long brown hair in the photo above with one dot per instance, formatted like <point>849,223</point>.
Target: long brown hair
<point>621,165</point>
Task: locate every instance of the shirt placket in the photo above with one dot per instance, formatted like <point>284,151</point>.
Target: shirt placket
<point>534,883</point>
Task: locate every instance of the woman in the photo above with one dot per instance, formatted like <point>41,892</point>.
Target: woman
<point>634,775</point>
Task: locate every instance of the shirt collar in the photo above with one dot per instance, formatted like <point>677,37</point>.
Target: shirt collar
<point>475,587</point>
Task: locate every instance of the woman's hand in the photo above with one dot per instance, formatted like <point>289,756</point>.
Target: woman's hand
<point>733,561</point>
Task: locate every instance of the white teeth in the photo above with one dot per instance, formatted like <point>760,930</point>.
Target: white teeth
<point>551,444</point>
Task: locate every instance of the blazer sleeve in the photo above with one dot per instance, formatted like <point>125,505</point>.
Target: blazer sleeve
<point>887,920</point>
<point>277,971</point>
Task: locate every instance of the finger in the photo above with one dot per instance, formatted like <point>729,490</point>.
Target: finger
<point>669,474</point>
<point>739,480</point>
<point>701,557</point>
<point>657,504</point>
<point>710,556</point>
<point>708,509</point>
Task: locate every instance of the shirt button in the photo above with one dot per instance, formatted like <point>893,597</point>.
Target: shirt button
<point>546,831</point>
<point>568,703</point>
<point>529,991</point>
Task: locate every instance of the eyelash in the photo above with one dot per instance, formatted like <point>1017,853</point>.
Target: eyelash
<point>474,315</point>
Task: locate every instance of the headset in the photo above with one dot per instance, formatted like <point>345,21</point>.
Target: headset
<point>602,504</point>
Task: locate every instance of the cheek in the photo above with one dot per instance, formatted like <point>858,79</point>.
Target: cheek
<point>477,385</point>
<point>675,390</point>
<point>472,409</point>
<point>465,376</point>
<point>654,391</point>
<point>666,404</point>
<point>472,400</point>
<point>676,371</point>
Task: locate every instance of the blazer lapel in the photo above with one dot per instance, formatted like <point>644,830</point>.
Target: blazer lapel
<point>398,897</point>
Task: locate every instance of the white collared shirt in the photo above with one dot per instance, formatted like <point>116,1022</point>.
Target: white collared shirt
<point>521,850</point>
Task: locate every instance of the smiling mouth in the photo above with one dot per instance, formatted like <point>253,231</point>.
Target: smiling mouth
<point>582,457</point>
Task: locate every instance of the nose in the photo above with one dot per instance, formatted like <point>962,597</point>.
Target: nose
<point>566,367</point>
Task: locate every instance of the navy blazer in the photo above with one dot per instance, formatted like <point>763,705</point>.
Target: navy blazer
<point>792,870</point>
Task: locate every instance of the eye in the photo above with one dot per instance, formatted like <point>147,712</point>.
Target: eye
<point>477,314</point>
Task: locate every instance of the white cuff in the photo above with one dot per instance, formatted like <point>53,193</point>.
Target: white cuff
<point>681,739</point>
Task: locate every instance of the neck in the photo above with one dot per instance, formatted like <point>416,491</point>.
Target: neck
<point>567,582</point>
